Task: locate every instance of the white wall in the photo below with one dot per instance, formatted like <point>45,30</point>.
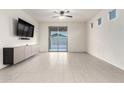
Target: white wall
<point>8,19</point>
<point>107,41</point>
<point>76,36</point>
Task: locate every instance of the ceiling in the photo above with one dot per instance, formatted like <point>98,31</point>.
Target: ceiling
<point>45,15</point>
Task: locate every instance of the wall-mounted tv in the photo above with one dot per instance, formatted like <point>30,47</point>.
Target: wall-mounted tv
<point>24,29</point>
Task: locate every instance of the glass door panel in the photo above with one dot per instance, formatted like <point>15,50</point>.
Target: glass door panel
<point>58,40</point>
<point>53,42</point>
<point>62,38</point>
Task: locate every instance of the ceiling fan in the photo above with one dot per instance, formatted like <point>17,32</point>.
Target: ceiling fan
<point>62,14</point>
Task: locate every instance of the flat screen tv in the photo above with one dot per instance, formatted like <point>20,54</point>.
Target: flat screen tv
<point>24,28</point>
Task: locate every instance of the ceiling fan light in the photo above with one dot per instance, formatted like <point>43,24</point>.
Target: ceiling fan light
<point>61,17</point>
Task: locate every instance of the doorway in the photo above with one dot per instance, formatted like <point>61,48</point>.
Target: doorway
<point>58,39</point>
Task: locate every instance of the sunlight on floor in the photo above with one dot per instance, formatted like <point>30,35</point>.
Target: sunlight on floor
<point>58,58</point>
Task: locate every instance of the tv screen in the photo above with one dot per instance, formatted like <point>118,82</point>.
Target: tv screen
<point>24,28</point>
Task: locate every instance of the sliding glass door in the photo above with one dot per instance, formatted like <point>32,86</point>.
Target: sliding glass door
<point>58,39</point>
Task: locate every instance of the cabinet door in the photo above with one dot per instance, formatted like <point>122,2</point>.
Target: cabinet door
<point>19,54</point>
<point>35,49</point>
<point>28,51</point>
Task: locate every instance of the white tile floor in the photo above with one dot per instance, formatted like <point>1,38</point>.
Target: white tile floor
<point>62,67</point>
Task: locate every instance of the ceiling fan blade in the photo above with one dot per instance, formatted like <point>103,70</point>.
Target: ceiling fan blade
<point>67,11</point>
<point>68,16</point>
<point>56,12</point>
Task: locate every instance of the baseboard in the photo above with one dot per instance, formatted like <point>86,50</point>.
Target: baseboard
<point>78,52</point>
<point>43,52</point>
<point>67,52</point>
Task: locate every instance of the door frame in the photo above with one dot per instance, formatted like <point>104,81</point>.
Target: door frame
<point>49,39</point>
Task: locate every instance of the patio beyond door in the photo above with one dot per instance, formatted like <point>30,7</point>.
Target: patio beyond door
<point>58,39</point>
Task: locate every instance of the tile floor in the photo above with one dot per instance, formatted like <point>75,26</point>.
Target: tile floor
<point>61,67</point>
